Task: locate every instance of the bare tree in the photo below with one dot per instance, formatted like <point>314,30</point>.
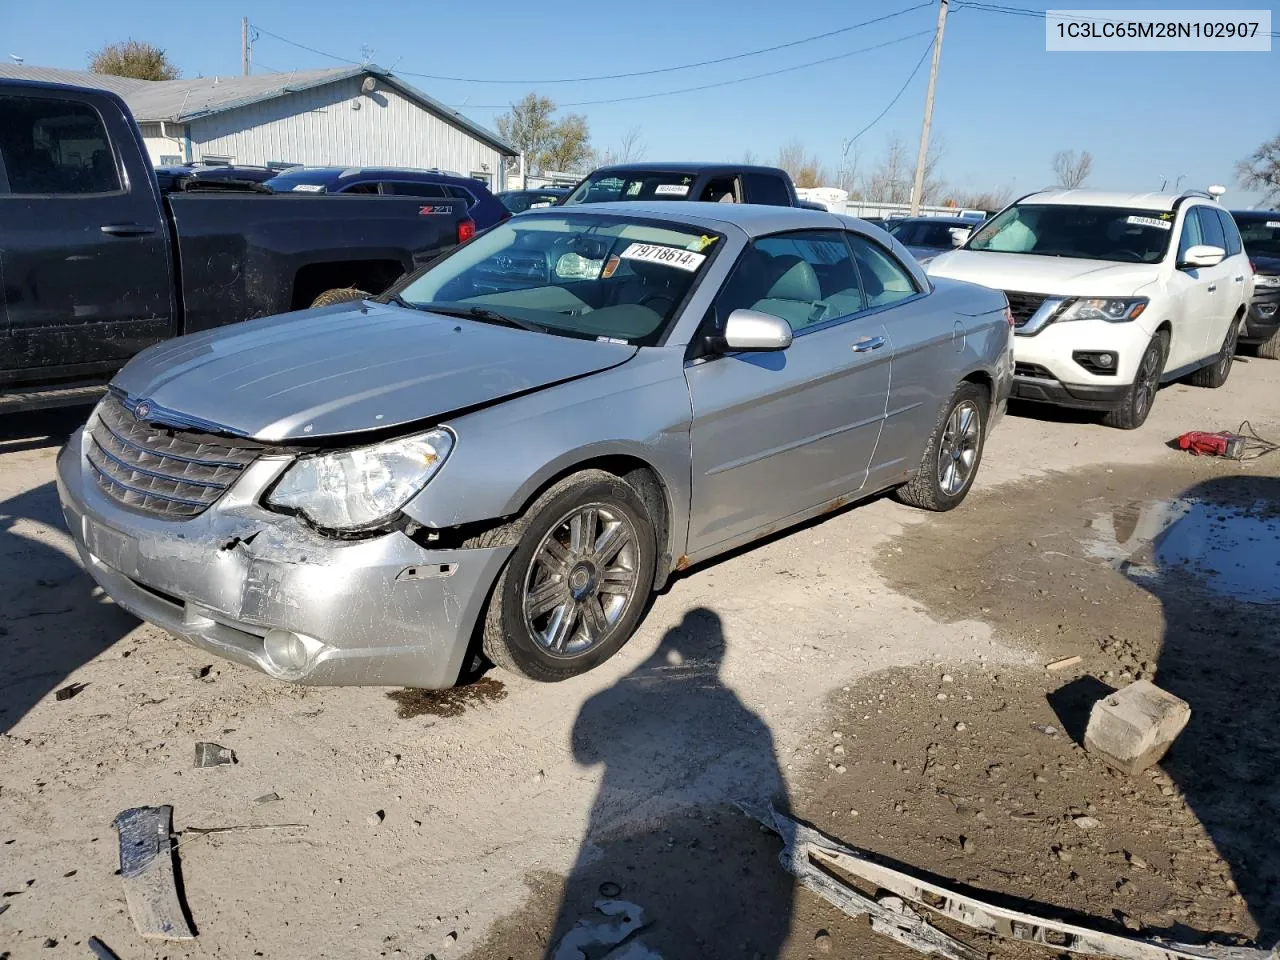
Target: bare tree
<point>890,180</point>
<point>133,58</point>
<point>1072,171</point>
<point>1261,171</point>
<point>546,144</point>
<point>630,148</point>
<point>805,168</point>
<point>749,158</point>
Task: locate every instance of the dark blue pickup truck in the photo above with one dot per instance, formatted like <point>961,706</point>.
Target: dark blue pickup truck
<point>99,260</point>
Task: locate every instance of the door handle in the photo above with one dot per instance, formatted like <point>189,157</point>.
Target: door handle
<point>1213,288</point>
<point>867,344</point>
<point>1239,279</point>
<point>127,229</point>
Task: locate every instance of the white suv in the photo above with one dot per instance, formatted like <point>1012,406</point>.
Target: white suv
<point>1112,294</point>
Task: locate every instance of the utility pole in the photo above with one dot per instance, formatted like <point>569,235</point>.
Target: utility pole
<point>918,188</point>
<point>244,45</point>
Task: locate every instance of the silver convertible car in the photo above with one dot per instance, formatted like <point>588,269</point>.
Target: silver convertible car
<point>510,451</point>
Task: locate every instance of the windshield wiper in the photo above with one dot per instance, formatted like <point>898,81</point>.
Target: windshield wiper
<point>485,315</point>
<point>398,300</point>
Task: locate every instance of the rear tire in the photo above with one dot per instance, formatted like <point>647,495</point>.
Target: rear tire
<point>574,590</point>
<point>1132,412</point>
<point>339,295</point>
<point>1269,349</point>
<point>952,454</point>
<point>1215,375</point>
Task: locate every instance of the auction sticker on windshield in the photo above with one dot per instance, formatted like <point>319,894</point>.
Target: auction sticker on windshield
<point>670,256</point>
<point>671,190</point>
<point>1150,222</point>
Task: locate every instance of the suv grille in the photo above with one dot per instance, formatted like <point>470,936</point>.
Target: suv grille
<point>1023,305</point>
<point>161,472</point>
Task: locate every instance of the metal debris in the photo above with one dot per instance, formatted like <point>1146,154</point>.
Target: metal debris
<point>213,755</point>
<point>811,857</point>
<point>101,950</point>
<point>69,691</point>
<point>148,871</point>
<point>624,919</point>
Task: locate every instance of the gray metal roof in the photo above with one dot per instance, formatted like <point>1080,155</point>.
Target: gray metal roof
<point>78,78</point>
<point>183,100</point>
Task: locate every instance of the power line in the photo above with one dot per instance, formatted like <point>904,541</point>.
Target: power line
<point>897,96</point>
<point>622,76</point>
<point>708,86</point>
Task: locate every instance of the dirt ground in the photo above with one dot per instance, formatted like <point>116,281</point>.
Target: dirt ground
<point>881,673</point>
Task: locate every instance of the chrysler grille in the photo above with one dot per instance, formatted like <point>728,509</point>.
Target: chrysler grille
<point>164,473</point>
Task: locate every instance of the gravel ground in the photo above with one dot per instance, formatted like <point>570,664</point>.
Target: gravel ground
<point>487,821</point>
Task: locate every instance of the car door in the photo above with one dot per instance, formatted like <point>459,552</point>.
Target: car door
<point>1237,264</point>
<point>1221,294</point>
<point>926,354</point>
<point>1192,301</point>
<point>775,434</point>
<point>84,248</point>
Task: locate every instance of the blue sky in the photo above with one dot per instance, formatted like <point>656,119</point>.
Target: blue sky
<point>1004,104</point>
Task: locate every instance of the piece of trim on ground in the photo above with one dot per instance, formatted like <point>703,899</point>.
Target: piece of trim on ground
<point>810,856</point>
<point>149,873</point>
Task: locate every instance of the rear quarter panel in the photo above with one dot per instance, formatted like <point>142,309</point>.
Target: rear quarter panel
<point>240,253</point>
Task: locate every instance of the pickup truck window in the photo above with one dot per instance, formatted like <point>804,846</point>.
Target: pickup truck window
<point>54,147</point>
<point>633,185</point>
<point>405,188</point>
<point>762,188</point>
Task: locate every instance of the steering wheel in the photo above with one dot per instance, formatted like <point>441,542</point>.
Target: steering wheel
<point>645,300</point>
<point>1133,254</point>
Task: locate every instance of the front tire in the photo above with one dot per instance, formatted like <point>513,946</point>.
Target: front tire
<point>575,588</point>
<point>1132,411</point>
<point>1269,349</point>
<point>952,454</point>
<point>1215,375</point>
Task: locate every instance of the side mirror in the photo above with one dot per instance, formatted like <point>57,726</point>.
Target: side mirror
<point>960,236</point>
<point>1202,255</point>
<point>753,331</point>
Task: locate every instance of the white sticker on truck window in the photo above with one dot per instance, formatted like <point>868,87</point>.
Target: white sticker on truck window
<point>668,256</point>
<point>1150,222</point>
<point>308,188</point>
<point>1273,224</point>
<point>540,204</point>
<point>671,190</point>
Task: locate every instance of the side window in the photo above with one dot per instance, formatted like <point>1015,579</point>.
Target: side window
<point>1229,229</point>
<point>766,189</point>
<point>720,190</point>
<point>1192,234</point>
<point>1211,227</point>
<point>461,194</point>
<point>57,147</point>
<point>805,277</point>
<point>406,189</point>
<point>361,188</point>
<point>884,279</point>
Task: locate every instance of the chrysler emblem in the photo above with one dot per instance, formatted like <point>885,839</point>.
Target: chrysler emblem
<point>142,410</point>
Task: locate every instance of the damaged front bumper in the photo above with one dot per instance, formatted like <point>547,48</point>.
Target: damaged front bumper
<point>266,591</point>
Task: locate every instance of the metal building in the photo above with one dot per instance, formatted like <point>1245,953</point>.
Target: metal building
<point>348,116</point>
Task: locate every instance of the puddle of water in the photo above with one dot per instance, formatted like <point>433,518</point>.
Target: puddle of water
<point>446,703</point>
<point>1233,550</point>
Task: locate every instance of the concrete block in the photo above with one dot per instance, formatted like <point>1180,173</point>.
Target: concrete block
<point>1133,728</point>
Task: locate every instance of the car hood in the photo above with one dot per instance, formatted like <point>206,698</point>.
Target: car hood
<point>350,369</point>
<point>1064,276</point>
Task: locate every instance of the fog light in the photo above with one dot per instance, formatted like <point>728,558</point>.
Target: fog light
<point>1105,360</point>
<point>1097,362</point>
<point>1267,310</point>
<point>287,651</point>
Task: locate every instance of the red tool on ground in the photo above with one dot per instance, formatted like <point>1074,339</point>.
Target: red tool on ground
<point>1224,444</point>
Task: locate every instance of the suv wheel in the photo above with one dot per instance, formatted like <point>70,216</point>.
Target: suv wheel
<point>951,455</point>
<point>576,585</point>
<point>1216,373</point>
<point>1269,349</point>
<point>1132,411</point>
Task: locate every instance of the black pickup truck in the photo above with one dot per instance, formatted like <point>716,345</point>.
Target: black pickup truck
<point>709,182</point>
<point>98,260</point>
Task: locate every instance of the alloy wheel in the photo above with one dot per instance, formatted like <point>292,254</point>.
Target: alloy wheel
<point>958,448</point>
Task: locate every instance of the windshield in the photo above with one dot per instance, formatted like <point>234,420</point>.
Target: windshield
<point>302,181</point>
<point>1261,234</point>
<point>1086,233</point>
<point>520,201</point>
<point>581,275</point>
<point>605,186</point>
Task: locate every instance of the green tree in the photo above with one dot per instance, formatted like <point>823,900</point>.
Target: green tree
<point>547,144</point>
<point>133,58</point>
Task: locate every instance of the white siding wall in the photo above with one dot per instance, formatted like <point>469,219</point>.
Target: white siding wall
<point>321,127</point>
<point>161,148</point>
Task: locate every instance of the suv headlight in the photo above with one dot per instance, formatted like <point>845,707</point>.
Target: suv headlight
<point>364,487</point>
<point>1113,311</point>
<point>1266,280</point>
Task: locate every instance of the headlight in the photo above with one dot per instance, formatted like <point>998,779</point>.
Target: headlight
<point>360,488</point>
<point>1266,281</point>
<point>1113,311</point>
